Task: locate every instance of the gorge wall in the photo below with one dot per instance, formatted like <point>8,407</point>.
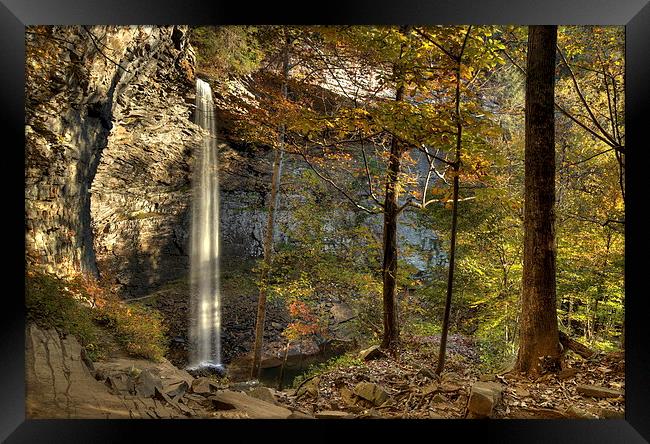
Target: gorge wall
<point>109,154</point>
<point>108,140</point>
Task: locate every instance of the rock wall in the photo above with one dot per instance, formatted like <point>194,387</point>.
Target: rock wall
<point>109,139</point>
<point>141,193</point>
<point>109,143</point>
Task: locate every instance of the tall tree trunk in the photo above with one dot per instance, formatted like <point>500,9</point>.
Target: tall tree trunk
<point>454,216</point>
<point>391,211</point>
<point>452,251</point>
<point>389,271</point>
<point>539,330</point>
<point>284,365</point>
<point>270,228</point>
<point>623,333</point>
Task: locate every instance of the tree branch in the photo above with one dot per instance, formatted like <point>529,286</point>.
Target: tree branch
<point>332,183</point>
<point>94,41</point>
<point>582,98</point>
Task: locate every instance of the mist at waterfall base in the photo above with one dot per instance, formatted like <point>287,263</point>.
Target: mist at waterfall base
<point>205,297</point>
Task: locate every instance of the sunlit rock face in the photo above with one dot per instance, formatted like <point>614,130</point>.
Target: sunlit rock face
<point>141,194</point>
<point>109,138</point>
<point>110,143</point>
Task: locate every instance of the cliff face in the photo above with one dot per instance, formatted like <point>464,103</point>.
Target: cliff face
<point>109,139</point>
<point>109,153</point>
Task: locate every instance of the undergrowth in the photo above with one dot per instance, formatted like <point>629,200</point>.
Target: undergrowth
<point>350,359</point>
<point>81,308</point>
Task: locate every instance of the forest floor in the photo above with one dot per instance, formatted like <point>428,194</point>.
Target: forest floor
<point>62,383</point>
<point>414,391</point>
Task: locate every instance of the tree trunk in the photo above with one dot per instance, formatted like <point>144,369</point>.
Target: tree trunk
<point>452,251</point>
<point>391,211</point>
<point>568,316</point>
<point>270,228</point>
<point>389,271</point>
<point>539,330</point>
<point>623,334</point>
<point>454,217</point>
<point>284,364</point>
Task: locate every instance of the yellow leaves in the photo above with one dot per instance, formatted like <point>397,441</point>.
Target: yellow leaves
<point>437,191</point>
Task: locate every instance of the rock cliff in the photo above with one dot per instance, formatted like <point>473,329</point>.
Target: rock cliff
<point>109,139</point>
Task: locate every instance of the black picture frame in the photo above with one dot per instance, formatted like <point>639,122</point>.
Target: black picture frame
<point>16,14</point>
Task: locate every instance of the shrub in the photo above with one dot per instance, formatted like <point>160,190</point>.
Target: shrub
<point>50,304</point>
<point>80,307</point>
<point>137,328</point>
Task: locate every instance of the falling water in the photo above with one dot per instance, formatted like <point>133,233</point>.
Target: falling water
<point>205,309</point>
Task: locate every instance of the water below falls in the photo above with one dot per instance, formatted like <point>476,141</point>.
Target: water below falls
<point>205,297</point>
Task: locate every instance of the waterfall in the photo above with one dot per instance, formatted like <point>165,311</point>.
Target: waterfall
<point>205,297</point>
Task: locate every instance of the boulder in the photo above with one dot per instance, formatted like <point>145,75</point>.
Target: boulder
<point>484,396</point>
<point>201,386</point>
<point>263,393</point>
<point>222,403</point>
<point>577,412</point>
<point>370,353</point>
<point>146,384</point>
<point>177,389</point>
<point>597,392</point>
<point>371,392</point>
<point>348,397</point>
<point>297,414</point>
<point>333,414</point>
<point>119,384</point>
<point>610,414</point>
<point>162,396</point>
<point>270,362</point>
<point>309,388</point>
<point>487,378</point>
<point>253,407</point>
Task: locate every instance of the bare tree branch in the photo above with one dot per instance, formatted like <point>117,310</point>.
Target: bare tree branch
<point>582,98</point>
<point>332,183</point>
<point>93,39</point>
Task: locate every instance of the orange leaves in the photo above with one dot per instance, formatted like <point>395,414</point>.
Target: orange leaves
<point>305,323</point>
<point>299,309</point>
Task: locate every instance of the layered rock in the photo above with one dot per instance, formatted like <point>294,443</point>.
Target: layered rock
<point>107,116</point>
<point>141,193</point>
<point>60,384</point>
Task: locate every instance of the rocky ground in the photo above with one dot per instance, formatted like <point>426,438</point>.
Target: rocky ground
<point>407,387</point>
<point>63,383</point>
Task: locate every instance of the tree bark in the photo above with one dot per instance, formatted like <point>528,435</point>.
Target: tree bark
<point>389,271</point>
<point>391,212</point>
<point>539,330</point>
<point>454,216</point>
<point>270,228</point>
<point>284,365</point>
<point>452,259</point>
